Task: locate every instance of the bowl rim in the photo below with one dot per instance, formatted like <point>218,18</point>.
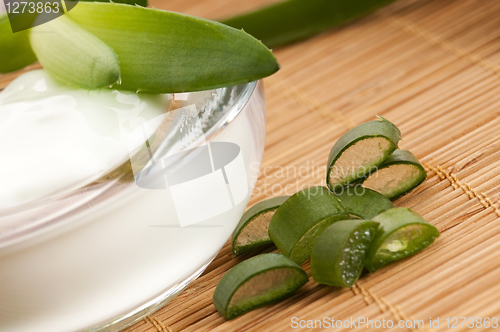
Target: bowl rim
<point>29,231</point>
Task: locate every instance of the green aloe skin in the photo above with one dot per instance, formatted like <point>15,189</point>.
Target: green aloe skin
<point>157,51</point>
<point>289,21</point>
<point>363,202</point>
<point>275,25</point>
<point>402,186</point>
<point>16,52</point>
<point>358,169</point>
<point>402,233</point>
<point>73,55</point>
<point>142,3</point>
<point>244,236</point>
<point>166,52</point>
<point>337,258</point>
<point>278,277</point>
<point>300,220</point>
<point>16,49</point>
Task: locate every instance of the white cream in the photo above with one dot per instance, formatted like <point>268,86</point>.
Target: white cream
<point>54,138</point>
<point>98,265</point>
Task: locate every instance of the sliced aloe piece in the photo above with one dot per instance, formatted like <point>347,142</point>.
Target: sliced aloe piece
<point>166,52</point>
<point>362,202</point>
<point>15,49</point>
<point>337,257</point>
<point>255,282</point>
<point>397,175</point>
<point>300,220</point>
<point>360,151</point>
<point>292,20</point>
<point>252,230</point>
<point>73,55</point>
<point>402,233</point>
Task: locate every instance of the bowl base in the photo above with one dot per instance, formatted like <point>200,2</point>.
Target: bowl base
<point>150,307</point>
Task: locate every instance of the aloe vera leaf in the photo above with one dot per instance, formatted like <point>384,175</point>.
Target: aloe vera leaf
<point>402,233</point>
<point>255,282</point>
<point>338,255</point>
<point>363,202</point>
<point>73,55</point>
<point>360,151</point>
<point>16,49</point>
<point>166,52</point>
<point>398,175</point>
<point>16,52</point>
<point>300,220</point>
<point>252,230</point>
<point>288,21</point>
<point>143,3</point>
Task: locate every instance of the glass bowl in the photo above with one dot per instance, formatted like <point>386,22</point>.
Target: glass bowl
<point>105,249</point>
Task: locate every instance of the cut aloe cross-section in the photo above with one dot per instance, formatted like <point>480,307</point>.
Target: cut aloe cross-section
<point>337,257</point>
<point>402,233</point>
<point>252,230</point>
<point>397,175</point>
<point>301,219</point>
<point>360,151</point>
<point>255,282</point>
<point>363,202</point>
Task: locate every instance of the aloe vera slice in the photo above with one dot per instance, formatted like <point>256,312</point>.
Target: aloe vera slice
<point>255,282</point>
<point>166,52</point>
<point>337,257</point>
<point>397,175</point>
<point>73,55</point>
<point>402,233</point>
<point>292,20</point>
<point>362,202</point>
<point>300,220</point>
<point>16,52</point>
<point>252,230</point>
<point>360,151</point>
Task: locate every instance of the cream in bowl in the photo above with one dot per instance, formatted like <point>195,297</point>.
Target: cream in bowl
<point>111,202</point>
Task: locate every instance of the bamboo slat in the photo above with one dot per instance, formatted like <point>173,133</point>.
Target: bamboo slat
<point>433,68</point>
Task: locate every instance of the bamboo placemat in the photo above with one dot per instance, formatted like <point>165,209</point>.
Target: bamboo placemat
<point>432,68</point>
